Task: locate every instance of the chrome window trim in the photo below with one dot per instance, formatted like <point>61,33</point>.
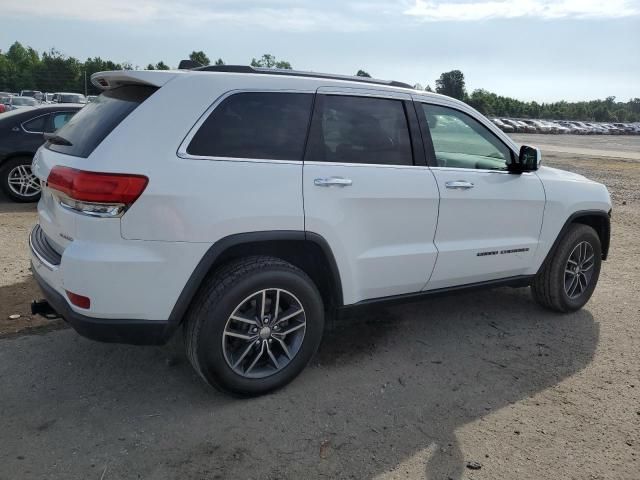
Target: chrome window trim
<point>44,115</point>
<point>30,120</point>
<point>182,149</point>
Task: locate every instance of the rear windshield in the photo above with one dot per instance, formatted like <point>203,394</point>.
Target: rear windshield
<point>96,120</point>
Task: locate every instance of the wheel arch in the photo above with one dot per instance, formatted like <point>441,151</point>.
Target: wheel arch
<point>308,251</point>
<point>599,220</point>
<point>10,156</point>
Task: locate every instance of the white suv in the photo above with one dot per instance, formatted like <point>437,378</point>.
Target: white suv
<point>247,204</point>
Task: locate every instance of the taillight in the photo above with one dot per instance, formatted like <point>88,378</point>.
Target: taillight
<point>95,193</point>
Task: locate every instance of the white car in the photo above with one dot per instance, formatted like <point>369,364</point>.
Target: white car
<point>257,203</point>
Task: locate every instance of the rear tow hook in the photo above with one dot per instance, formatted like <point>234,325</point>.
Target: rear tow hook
<point>42,307</point>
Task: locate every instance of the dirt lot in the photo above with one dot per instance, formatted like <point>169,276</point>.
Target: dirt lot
<point>415,391</point>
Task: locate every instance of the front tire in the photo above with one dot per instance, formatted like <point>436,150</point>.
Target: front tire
<point>18,182</point>
<point>568,278</point>
<point>254,326</point>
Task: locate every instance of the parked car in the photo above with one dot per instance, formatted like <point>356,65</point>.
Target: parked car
<point>539,126</point>
<point>613,130</point>
<point>560,128</point>
<point>599,129</point>
<point>128,197</point>
<point>574,128</point>
<point>37,94</point>
<point>528,128</point>
<point>518,127</point>
<point>503,126</point>
<point>21,133</point>
<point>15,103</point>
<point>91,98</point>
<point>66,97</point>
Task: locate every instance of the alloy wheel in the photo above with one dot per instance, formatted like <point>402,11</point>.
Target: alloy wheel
<point>23,182</point>
<point>579,269</point>
<point>264,333</point>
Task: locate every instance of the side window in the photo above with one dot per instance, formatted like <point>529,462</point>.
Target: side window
<point>256,125</point>
<point>460,141</point>
<point>36,125</point>
<point>60,119</point>
<point>360,130</point>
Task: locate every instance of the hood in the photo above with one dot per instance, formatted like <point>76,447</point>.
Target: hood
<point>555,173</point>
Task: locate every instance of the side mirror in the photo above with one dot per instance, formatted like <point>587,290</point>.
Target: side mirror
<point>529,160</point>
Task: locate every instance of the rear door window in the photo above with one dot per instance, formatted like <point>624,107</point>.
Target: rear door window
<point>36,125</point>
<point>95,121</point>
<point>260,125</point>
<point>360,130</point>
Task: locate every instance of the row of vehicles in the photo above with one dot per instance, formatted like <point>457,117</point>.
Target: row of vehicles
<point>519,125</point>
<point>33,98</point>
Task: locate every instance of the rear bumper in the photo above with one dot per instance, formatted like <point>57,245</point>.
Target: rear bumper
<point>135,332</point>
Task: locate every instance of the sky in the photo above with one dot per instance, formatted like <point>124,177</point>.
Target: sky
<point>543,50</point>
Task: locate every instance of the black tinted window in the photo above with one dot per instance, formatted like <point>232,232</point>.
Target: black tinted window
<point>36,124</point>
<point>95,121</point>
<point>255,125</point>
<point>360,130</point>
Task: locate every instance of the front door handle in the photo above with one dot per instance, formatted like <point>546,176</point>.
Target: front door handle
<point>332,182</point>
<point>459,185</point>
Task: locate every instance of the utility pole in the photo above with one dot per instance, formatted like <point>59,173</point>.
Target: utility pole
<point>85,83</point>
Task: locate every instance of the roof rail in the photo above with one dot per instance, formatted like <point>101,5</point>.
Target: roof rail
<point>297,73</point>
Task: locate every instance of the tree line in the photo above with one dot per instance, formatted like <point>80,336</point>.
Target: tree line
<point>608,110</point>
<point>23,68</point>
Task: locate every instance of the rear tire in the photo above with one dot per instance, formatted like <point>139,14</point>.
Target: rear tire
<point>242,332</point>
<point>568,278</point>
<point>17,181</point>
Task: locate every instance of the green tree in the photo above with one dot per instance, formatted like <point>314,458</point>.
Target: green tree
<point>219,62</point>
<point>199,57</point>
<point>452,84</point>
<point>362,73</point>
<point>269,61</point>
<point>428,88</point>
<point>162,66</point>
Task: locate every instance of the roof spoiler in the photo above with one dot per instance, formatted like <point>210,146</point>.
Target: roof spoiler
<point>188,64</point>
<point>118,78</point>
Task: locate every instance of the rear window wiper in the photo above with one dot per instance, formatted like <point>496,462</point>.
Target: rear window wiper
<point>57,139</point>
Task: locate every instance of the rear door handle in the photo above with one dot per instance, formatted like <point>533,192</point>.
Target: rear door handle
<point>332,182</point>
<point>459,185</point>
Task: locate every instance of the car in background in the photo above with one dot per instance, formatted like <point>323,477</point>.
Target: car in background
<point>527,127</point>
<point>37,94</point>
<point>560,128</point>
<point>91,98</point>
<point>47,98</point>
<point>516,125</point>
<point>503,126</point>
<point>574,128</point>
<point>22,132</point>
<point>68,97</point>
<point>613,130</point>
<point>599,129</point>
<point>540,126</point>
<point>624,127</point>
<point>15,103</point>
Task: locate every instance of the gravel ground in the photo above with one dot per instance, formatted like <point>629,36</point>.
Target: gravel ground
<point>483,385</point>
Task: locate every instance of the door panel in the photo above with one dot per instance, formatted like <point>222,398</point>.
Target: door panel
<point>489,231</point>
<point>378,218</point>
<point>489,219</point>
<point>380,228</point>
